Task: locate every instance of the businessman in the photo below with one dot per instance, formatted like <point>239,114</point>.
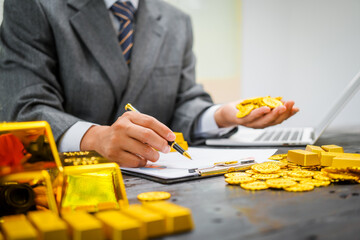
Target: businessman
<point>77,63</point>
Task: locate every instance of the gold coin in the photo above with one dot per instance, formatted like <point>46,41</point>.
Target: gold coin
<point>250,172</point>
<point>282,172</point>
<point>300,187</point>
<point>153,196</point>
<point>316,183</point>
<point>321,177</point>
<point>271,102</point>
<point>281,164</point>
<point>257,185</point>
<point>266,167</point>
<point>238,180</point>
<point>280,183</point>
<point>237,174</point>
<point>355,169</point>
<point>301,174</point>
<point>255,100</point>
<point>263,176</point>
<point>334,170</point>
<point>244,110</point>
<point>278,157</point>
<point>343,177</point>
<point>296,179</point>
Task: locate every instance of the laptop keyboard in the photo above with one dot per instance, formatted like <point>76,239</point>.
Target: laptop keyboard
<point>283,135</point>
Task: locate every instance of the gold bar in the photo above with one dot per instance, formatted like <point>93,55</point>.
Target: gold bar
<point>332,148</point>
<point>118,226</point>
<point>48,225</point>
<point>326,158</point>
<point>303,158</point>
<point>83,226</point>
<point>17,227</point>
<point>152,223</point>
<point>178,218</point>
<point>315,149</point>
<point>344,161</point>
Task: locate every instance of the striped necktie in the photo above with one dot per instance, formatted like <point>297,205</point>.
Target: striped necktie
<point>124,12</point>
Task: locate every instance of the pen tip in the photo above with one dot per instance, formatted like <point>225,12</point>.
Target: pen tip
<point>187,155</point>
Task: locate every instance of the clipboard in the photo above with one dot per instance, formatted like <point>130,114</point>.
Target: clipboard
<point>207,162</point>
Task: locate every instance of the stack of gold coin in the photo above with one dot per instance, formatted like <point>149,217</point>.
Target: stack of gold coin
<point>246,106</point>
<point>281,174</point>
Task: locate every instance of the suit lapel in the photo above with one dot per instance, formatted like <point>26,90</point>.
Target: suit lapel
<point>94,27</point>
<point>149,35</point>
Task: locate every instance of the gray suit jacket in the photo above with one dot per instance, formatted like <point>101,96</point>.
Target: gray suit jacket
<point>60,62</point>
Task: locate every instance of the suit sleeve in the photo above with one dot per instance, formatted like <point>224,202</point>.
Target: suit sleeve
<point>192,100</point>
<point>30,88</point>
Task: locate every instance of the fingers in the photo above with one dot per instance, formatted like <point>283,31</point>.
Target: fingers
<point>131,141</point>
<point>151,123</point>
<point>142,150</point>
<point>126,159</point>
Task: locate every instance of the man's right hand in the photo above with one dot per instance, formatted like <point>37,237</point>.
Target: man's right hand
<point>131,141</point>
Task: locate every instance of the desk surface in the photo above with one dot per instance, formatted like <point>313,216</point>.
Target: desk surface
<point>221,211</point>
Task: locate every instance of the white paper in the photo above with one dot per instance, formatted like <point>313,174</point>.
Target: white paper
<point>173,165</point>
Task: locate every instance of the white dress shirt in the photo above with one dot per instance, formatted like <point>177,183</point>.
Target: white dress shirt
<point>205,127</point>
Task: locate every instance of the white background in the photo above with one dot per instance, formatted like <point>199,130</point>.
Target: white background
<point>304,50</point>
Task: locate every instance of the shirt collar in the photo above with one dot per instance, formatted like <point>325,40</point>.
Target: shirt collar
<point>109,3</point>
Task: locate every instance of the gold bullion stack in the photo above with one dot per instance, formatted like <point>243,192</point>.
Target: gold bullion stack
<point>301,170</point>
<point>246,106</point>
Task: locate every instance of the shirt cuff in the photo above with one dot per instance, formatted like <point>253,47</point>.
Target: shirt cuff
<point>206,126</point>
<point>71,139</point>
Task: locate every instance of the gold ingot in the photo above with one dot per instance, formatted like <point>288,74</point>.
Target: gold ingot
<point>332,148</point>
<point>152,223</point>
<point>345,161</point>
<point>315,149</point>
<point>118,226</point>
<point>303,158</point>
<point>178,218</point>
<point>48,225</point>
<point>83,225</point>
<point>18,227</point>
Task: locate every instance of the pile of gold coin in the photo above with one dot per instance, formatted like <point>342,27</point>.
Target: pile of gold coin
<point>246,106</point>
<point>281,174</point>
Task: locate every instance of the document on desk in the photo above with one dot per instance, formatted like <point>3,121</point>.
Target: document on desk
<point>173,167</point>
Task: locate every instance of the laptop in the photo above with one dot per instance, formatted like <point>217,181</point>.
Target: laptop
<point>289,136</point>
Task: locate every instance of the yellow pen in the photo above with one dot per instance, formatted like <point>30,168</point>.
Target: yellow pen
<point>173,144</point>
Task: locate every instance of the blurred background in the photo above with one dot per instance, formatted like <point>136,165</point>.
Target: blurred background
<point>303,50</point>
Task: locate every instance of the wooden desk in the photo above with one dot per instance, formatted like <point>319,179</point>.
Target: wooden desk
<point>221,211</point>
